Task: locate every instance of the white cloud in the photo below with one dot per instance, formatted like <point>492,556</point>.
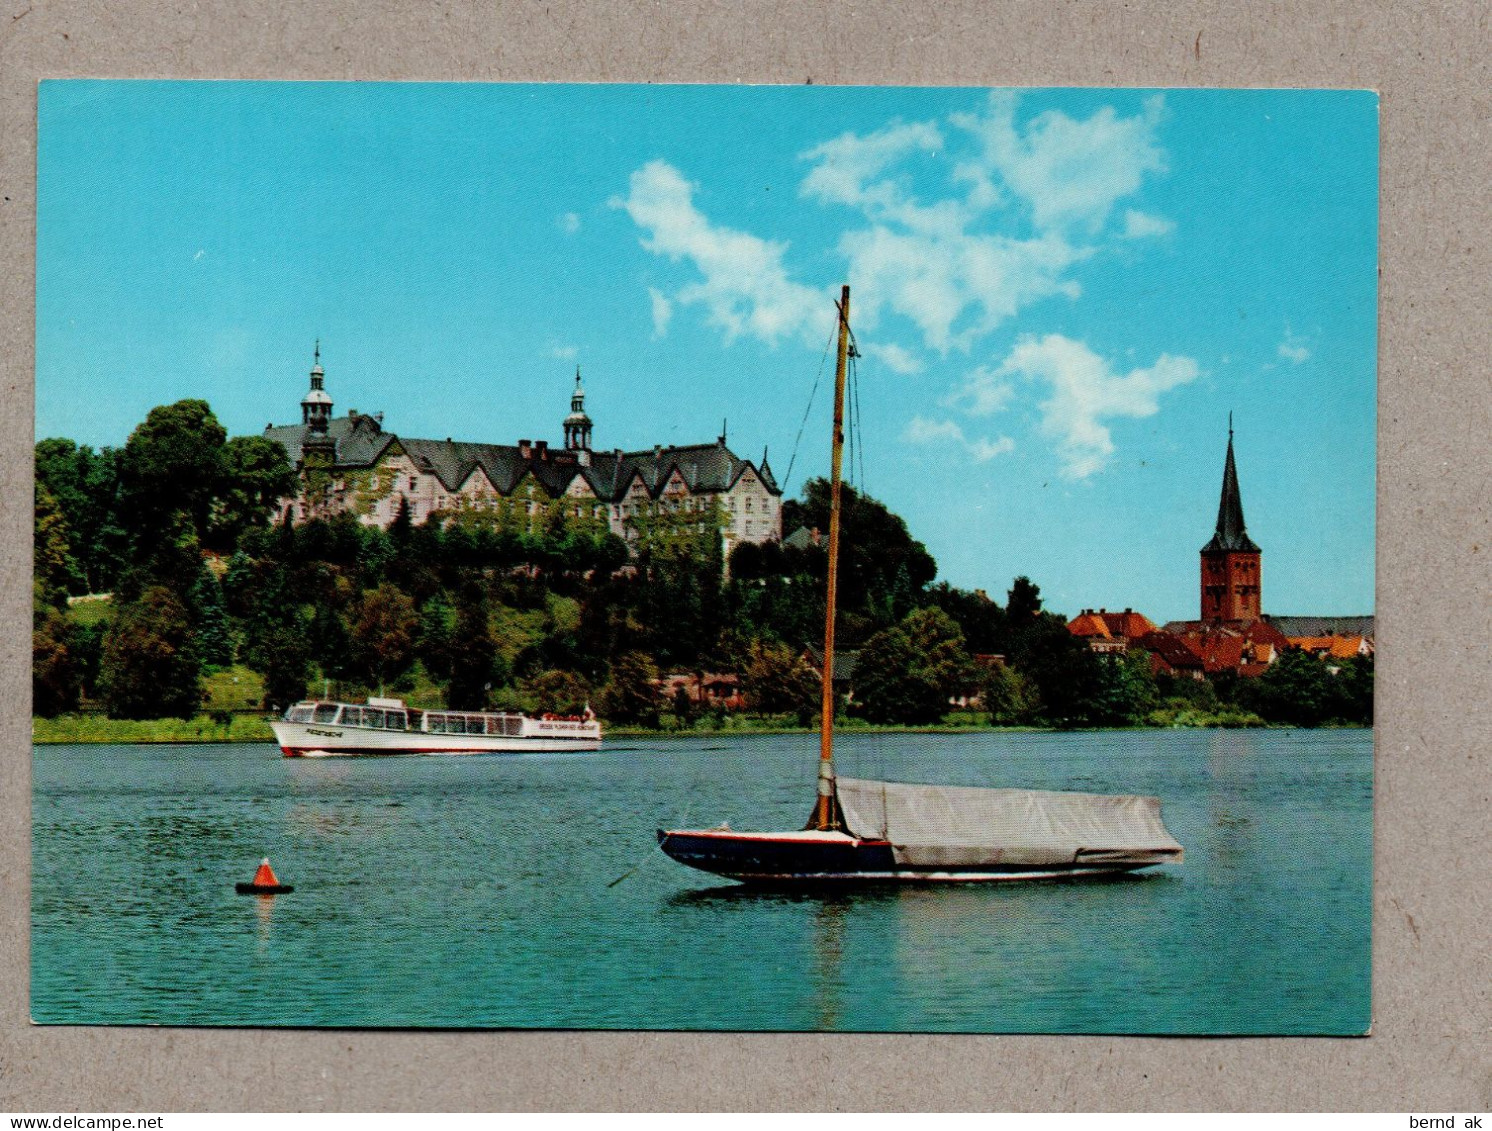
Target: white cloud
<point>954,290</point>
<point>662,311</point>
<point>569,223</point>
<point>983,450</point>
<point>1142,225</point>
<point>895,358</point>
<point>564,353</point>
<point>1085,391</point>
<point>847,163</point>
<point>1070,172</point>
<point>1006,210</point>
<point>920,430</point>
<point>745,287</point>
<point>1293,349</point>
<point>984,392</point>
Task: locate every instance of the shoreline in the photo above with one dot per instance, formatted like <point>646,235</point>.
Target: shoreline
<point>89,730</point>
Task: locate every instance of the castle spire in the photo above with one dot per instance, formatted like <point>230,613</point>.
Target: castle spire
<point>316,405</point>
<point>578,424</point>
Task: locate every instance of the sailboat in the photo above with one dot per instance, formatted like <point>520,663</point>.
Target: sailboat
<point>875,832</point>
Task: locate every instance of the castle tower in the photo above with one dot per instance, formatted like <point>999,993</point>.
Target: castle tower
<point>577,424</point>
<point>1231,572</point>
<point>316,405</point>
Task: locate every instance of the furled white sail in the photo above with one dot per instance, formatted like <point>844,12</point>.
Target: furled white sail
<point>933,825</point>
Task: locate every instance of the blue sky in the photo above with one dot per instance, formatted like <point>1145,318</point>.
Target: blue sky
<point>1059,295</point>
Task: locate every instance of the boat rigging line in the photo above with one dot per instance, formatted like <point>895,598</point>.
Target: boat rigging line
<point>856,437</point>
<point>787,477</point>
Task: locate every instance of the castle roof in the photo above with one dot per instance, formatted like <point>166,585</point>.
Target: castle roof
<point>361,442</point>
<point>1231,534</point>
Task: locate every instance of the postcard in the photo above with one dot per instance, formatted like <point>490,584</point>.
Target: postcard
<point>704,558</point>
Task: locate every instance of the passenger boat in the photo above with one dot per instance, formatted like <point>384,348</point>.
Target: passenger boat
<point>328,729</point>
<point>871,832</point>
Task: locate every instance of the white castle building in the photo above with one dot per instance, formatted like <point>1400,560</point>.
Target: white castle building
<point>350,464</point>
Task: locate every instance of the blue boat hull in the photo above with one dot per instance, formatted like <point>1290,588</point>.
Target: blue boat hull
<point>797,859</point>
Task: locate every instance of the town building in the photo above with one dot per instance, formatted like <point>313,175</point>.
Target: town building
<point>351,464</point>
<point>1232,633</point>
<point>1110,633</point>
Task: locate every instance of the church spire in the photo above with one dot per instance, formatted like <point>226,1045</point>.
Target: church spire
<point>1231,533</point>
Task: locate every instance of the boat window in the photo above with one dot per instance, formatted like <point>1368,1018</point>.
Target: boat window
<point>299,715</point>
<point>494,725</point>
<point>395,720</point>
<point>372,717</point>
<point>512,725</point>
<point>352,716</point>
<point>326,712</point>
<point>474,724</point>
<point>435,724</point>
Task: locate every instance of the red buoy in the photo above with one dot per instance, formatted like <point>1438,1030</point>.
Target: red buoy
<point>263,883</point>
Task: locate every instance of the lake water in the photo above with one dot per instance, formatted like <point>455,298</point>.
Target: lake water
<point>478,891</point>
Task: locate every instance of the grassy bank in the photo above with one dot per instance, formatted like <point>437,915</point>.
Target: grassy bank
<point>80,729</point>
<point>98,729</point>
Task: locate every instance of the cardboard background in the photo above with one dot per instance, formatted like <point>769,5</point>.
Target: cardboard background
<point>1432,1043</point>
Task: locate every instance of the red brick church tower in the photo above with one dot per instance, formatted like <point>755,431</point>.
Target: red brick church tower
<point>1230,562</point>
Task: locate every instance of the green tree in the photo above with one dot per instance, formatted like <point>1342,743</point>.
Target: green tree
<point>1296,689</point>
<point>436,637</point>
<point>557,692</point>
<point>85,484</point>
<point>1022,604</point>
<point>254,477</point>
<point>150,668</point>
<point>172,462</point>
<point>285,659</point>
<point>777,681</point>
<point>1007,696</point>
<point>169,555</point>
<point>329,643</point>
<point>53,569</point>
<point>631,696</point>
<point>56,682</point>
<point>474,663</point>
<point>1352,691</point>
<point>382,628</point>
<point>908,674</point>
<point>214,636</point>
<point>1124,693</point>
<point>979,618</point>
<point>1067,676</point>
<point>883,570</point>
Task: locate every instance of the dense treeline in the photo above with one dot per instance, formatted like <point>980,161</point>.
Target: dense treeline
<point>544,609</point>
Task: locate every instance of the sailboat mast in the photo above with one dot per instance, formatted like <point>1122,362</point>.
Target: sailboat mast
<point>826,811</point>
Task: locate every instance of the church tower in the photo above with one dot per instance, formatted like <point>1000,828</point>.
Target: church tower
<point>577,424</point>
<point>1230,562</point>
